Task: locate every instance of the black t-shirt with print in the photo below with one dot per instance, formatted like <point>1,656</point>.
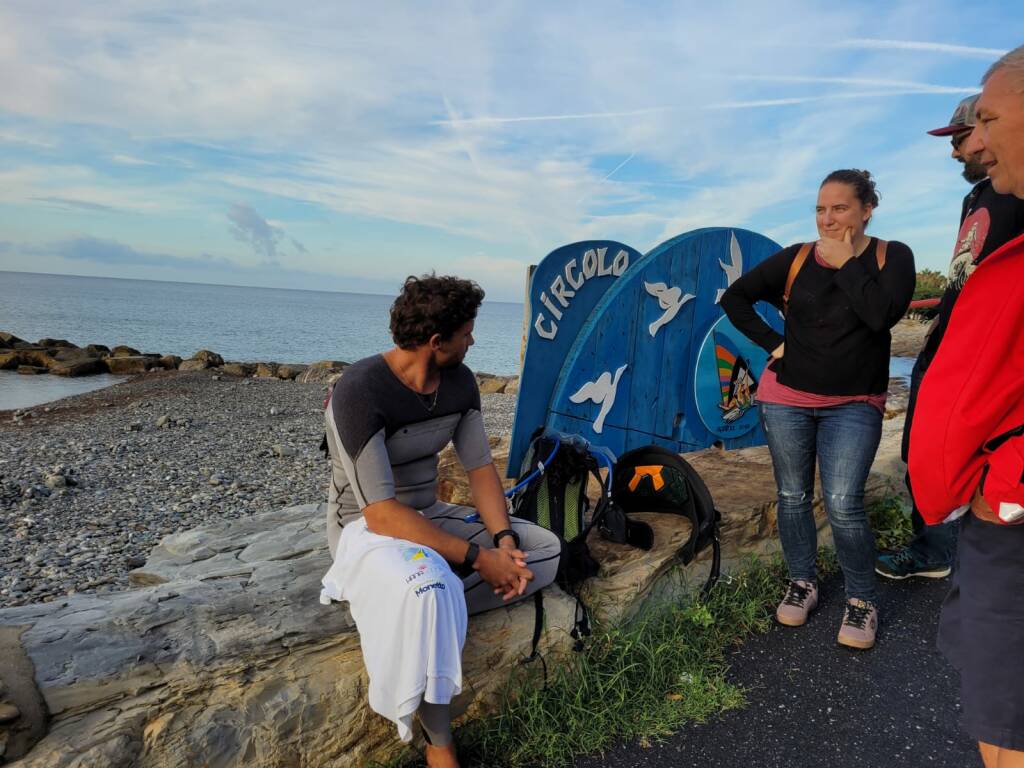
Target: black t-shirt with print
<point>988,220</point>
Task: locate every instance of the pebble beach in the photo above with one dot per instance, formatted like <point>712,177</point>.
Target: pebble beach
<point>90,484</point>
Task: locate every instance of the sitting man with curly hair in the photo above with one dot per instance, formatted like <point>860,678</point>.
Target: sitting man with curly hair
<point>412,567</point>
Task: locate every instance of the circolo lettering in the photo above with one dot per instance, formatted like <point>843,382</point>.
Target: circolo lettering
<point>559,294</point>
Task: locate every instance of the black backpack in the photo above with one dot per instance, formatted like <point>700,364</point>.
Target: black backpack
<point>655,479</point>
<point>552,492</point>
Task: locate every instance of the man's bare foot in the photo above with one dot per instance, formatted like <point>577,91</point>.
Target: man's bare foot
<point>441,757</point>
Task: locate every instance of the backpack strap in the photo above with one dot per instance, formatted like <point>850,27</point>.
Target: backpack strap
<point>880,250</point>
<point>794,269</point>
<point>538,625</point>
<point>716,558</point>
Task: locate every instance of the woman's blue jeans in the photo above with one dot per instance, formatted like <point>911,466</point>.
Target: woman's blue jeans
<point>843,439</point>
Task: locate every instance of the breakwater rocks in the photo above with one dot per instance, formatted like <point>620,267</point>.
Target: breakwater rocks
<point>62,358</point>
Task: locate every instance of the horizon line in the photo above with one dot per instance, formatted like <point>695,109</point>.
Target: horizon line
<point>221,285</point>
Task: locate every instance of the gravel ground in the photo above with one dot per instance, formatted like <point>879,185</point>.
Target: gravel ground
<point>90,484</point>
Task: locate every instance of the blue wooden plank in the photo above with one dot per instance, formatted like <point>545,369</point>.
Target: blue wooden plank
<point>564,289</point>
<point>661,362</point>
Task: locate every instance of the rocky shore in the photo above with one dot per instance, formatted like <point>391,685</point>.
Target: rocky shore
<point>90,484</point>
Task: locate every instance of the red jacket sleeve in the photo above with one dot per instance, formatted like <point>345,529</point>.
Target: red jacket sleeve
<point>972,398</point>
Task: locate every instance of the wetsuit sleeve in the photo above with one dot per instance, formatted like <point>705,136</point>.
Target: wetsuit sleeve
<point>356,433</point>
<point>470,438</point>
<point>765,282</point>
<point>471,441</point>
<point>880,299</point>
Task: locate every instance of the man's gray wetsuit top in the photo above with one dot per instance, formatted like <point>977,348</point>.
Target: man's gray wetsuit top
<point>384,438</point>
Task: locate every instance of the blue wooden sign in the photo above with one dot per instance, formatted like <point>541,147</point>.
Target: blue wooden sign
<point>655,360</point>
<point>564,290</point>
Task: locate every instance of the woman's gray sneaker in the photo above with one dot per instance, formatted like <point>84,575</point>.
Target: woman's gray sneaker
<point>860,623</point>
<point>801,598</point>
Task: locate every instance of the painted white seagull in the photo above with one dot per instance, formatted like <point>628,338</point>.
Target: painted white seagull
<point>601,391</point>
<point>669,299</point>
<point>733,270</point>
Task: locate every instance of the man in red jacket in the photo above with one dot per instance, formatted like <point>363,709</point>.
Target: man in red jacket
<point>967,448</point>
<point>987,221</point>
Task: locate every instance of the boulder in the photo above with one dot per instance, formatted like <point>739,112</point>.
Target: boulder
<point>512,388</point>
<point>37,356</point>
<point>193,365</point>
<point>130,364</point>
<point>291,370</point>
<point>66,361</point>
<point>212,359</point>
<point>322,372</point>
<point>491,385</point>
<point>72,361</point>
<point>63,361</point>
<point>10,341</point>
<point>32,370</point>
<point>170,362</point>
<point>99,350</point>
<point>56,344</point>
<point>9,359</point>
<point>123,351</point>
<point>266,370</point>
<point>239,369</point>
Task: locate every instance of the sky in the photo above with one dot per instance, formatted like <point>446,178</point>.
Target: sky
<point>343,146</point>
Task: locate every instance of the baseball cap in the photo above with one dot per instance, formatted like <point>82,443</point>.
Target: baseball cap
<point>962,119</point>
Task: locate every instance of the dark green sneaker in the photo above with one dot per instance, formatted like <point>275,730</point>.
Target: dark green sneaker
<point>906,563</point>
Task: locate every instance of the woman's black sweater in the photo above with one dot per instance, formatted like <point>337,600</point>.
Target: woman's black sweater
<point>837,330</point>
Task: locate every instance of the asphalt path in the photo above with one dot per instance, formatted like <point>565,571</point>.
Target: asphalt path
<point>812,702</point>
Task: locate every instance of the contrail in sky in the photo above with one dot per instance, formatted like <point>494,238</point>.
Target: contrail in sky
<point>861,43</point>
<point>618,167</point>
<point>750,104</point>
<point>865,81</point>
<point>549,118</point>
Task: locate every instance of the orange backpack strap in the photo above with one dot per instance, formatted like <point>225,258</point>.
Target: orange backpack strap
<point>794,268</point>
<point>880,250</point>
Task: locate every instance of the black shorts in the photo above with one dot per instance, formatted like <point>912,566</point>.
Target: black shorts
<point>981,631</point>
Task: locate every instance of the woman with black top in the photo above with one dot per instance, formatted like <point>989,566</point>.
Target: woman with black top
<point>822,396</point>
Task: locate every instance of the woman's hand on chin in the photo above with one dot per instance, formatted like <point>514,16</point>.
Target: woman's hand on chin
<point>836,253</point>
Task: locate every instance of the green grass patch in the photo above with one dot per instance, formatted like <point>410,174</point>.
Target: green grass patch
<point>890,520</point>
<point>640,681</point>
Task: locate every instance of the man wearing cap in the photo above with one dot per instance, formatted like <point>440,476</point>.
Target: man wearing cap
<point>988,219</point>
<point>967,448</point>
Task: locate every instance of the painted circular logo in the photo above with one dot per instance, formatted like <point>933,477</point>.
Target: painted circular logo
<point>729,367</point>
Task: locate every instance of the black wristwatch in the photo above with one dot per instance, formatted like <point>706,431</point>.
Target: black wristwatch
<point>502,534</point>
<point>467,563</point>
